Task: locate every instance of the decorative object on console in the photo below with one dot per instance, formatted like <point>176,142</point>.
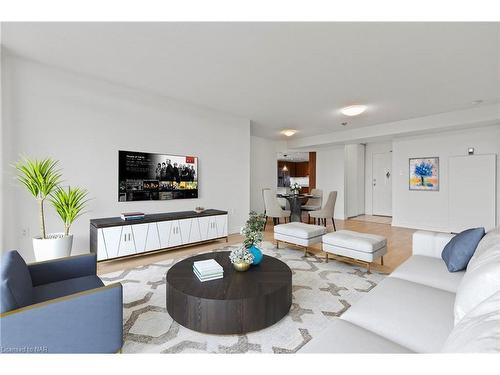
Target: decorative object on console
<point>199,210</point>
<point>253,232</point>
<point>295,188</point>
<point>241,258</point>
<point>42,178</point>
<point>424,174</point>
<point>457,253</point>
<point>206,270</point>
<point>132,215</point>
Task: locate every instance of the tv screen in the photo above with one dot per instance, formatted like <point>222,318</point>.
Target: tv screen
<point>145,176</point>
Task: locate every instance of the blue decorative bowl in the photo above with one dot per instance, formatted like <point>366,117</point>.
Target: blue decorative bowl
<point>257,255</point>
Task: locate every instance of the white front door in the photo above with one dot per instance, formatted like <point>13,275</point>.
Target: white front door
<point>382,184</point>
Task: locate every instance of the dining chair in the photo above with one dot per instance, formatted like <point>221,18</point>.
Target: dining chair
<point>327,212</point>
<point>314,203</point>
<point>282,201</point>
<point>273,208</point>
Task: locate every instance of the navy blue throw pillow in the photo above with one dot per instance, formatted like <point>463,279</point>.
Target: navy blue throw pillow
<point>457,253</point>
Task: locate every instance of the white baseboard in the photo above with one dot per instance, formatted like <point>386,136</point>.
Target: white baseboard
<point>419,227</point>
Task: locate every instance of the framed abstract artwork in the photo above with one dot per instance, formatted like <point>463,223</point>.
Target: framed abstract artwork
<point>424,174</point>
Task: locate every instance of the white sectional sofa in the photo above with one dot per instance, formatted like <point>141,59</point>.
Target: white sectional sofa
<point>423,308</point>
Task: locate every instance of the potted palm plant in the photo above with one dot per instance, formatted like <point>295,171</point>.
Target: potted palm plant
<point>42,178</point>
<point>69,204</point>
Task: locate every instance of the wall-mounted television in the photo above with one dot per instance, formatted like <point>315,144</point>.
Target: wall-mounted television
<point>147,176</point>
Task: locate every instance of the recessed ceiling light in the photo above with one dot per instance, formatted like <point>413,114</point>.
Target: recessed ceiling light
<point>288,132</point>
<point>353,110</point>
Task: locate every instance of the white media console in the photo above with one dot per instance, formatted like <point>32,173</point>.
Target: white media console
<point>114,238</point>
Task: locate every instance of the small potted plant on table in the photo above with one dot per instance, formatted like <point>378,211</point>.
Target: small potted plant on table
<point>295,188</point>
<point>241,259</point>
<point>253,232</point>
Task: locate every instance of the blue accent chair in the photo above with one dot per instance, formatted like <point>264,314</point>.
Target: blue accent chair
<point>58,306</point>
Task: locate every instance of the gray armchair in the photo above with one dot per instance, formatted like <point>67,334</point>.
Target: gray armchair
<point>58,306</point>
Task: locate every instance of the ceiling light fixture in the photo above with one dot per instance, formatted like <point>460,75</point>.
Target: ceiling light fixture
<point>353,110</point>
<point>288,132</point>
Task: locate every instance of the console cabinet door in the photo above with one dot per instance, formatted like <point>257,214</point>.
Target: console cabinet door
<point>127,244</point>
<point>102,253</point>
<point>175,234</point>
<point>204,223</point>
<point>140,235</point>
<point>185,230</point>
<point>212,227</point>
<point>195,232</point>
<point>111,241</point>
<point>153,238</point>
<point>164,228</point>
<point>221,224</point>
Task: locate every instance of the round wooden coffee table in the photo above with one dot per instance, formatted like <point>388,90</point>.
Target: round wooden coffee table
<point>238,303</point>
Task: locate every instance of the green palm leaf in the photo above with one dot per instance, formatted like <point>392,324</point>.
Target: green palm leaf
<point>40,177</point>
<point>70,204</point>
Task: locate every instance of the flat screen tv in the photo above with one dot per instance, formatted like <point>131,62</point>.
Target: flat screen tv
<point>146,176</point>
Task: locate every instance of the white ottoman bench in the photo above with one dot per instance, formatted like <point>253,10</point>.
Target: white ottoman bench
<point>300,234</point>
<point>359,247</point>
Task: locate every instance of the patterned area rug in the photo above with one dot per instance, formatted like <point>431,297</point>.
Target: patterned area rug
<point>321,292</point>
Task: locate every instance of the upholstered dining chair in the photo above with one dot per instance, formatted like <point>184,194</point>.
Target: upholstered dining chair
<point>314,203</point>
<point>273,208</point>
<point>327,212</point>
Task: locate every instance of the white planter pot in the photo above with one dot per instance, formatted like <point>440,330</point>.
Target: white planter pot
<point>52,248</point>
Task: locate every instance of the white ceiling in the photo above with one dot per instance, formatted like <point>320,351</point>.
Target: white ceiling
<point>283,75</point>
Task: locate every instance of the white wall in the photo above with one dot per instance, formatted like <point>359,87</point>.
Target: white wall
<point>2,148</point>
<point>372,148</point>
<point>354,180</point>
<point>84,122</point>
<point>263,169</point>
<point>330,175</point>
<point>428,209</point>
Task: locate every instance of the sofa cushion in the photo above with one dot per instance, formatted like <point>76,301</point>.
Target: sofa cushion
<point>349,239</point>
<point>429,271</point>
<point>344,337</point>
<point>63,288</point>
<point>490,240</point>
<point>478,331</point>
<point>476,286</point>
<point>16,285</point>
<point>412,315</point>
<point>300,230</point>
<point>482,278</point>
<point>458,252</point>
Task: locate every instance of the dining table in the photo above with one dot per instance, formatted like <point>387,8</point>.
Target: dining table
<point>296,201</point>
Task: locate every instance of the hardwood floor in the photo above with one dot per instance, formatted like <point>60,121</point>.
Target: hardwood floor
<point>398,242</point>
<point>373,219</point>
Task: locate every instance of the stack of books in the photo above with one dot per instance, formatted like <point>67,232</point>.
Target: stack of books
<point>206,270</point>
<point>132,215</point>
